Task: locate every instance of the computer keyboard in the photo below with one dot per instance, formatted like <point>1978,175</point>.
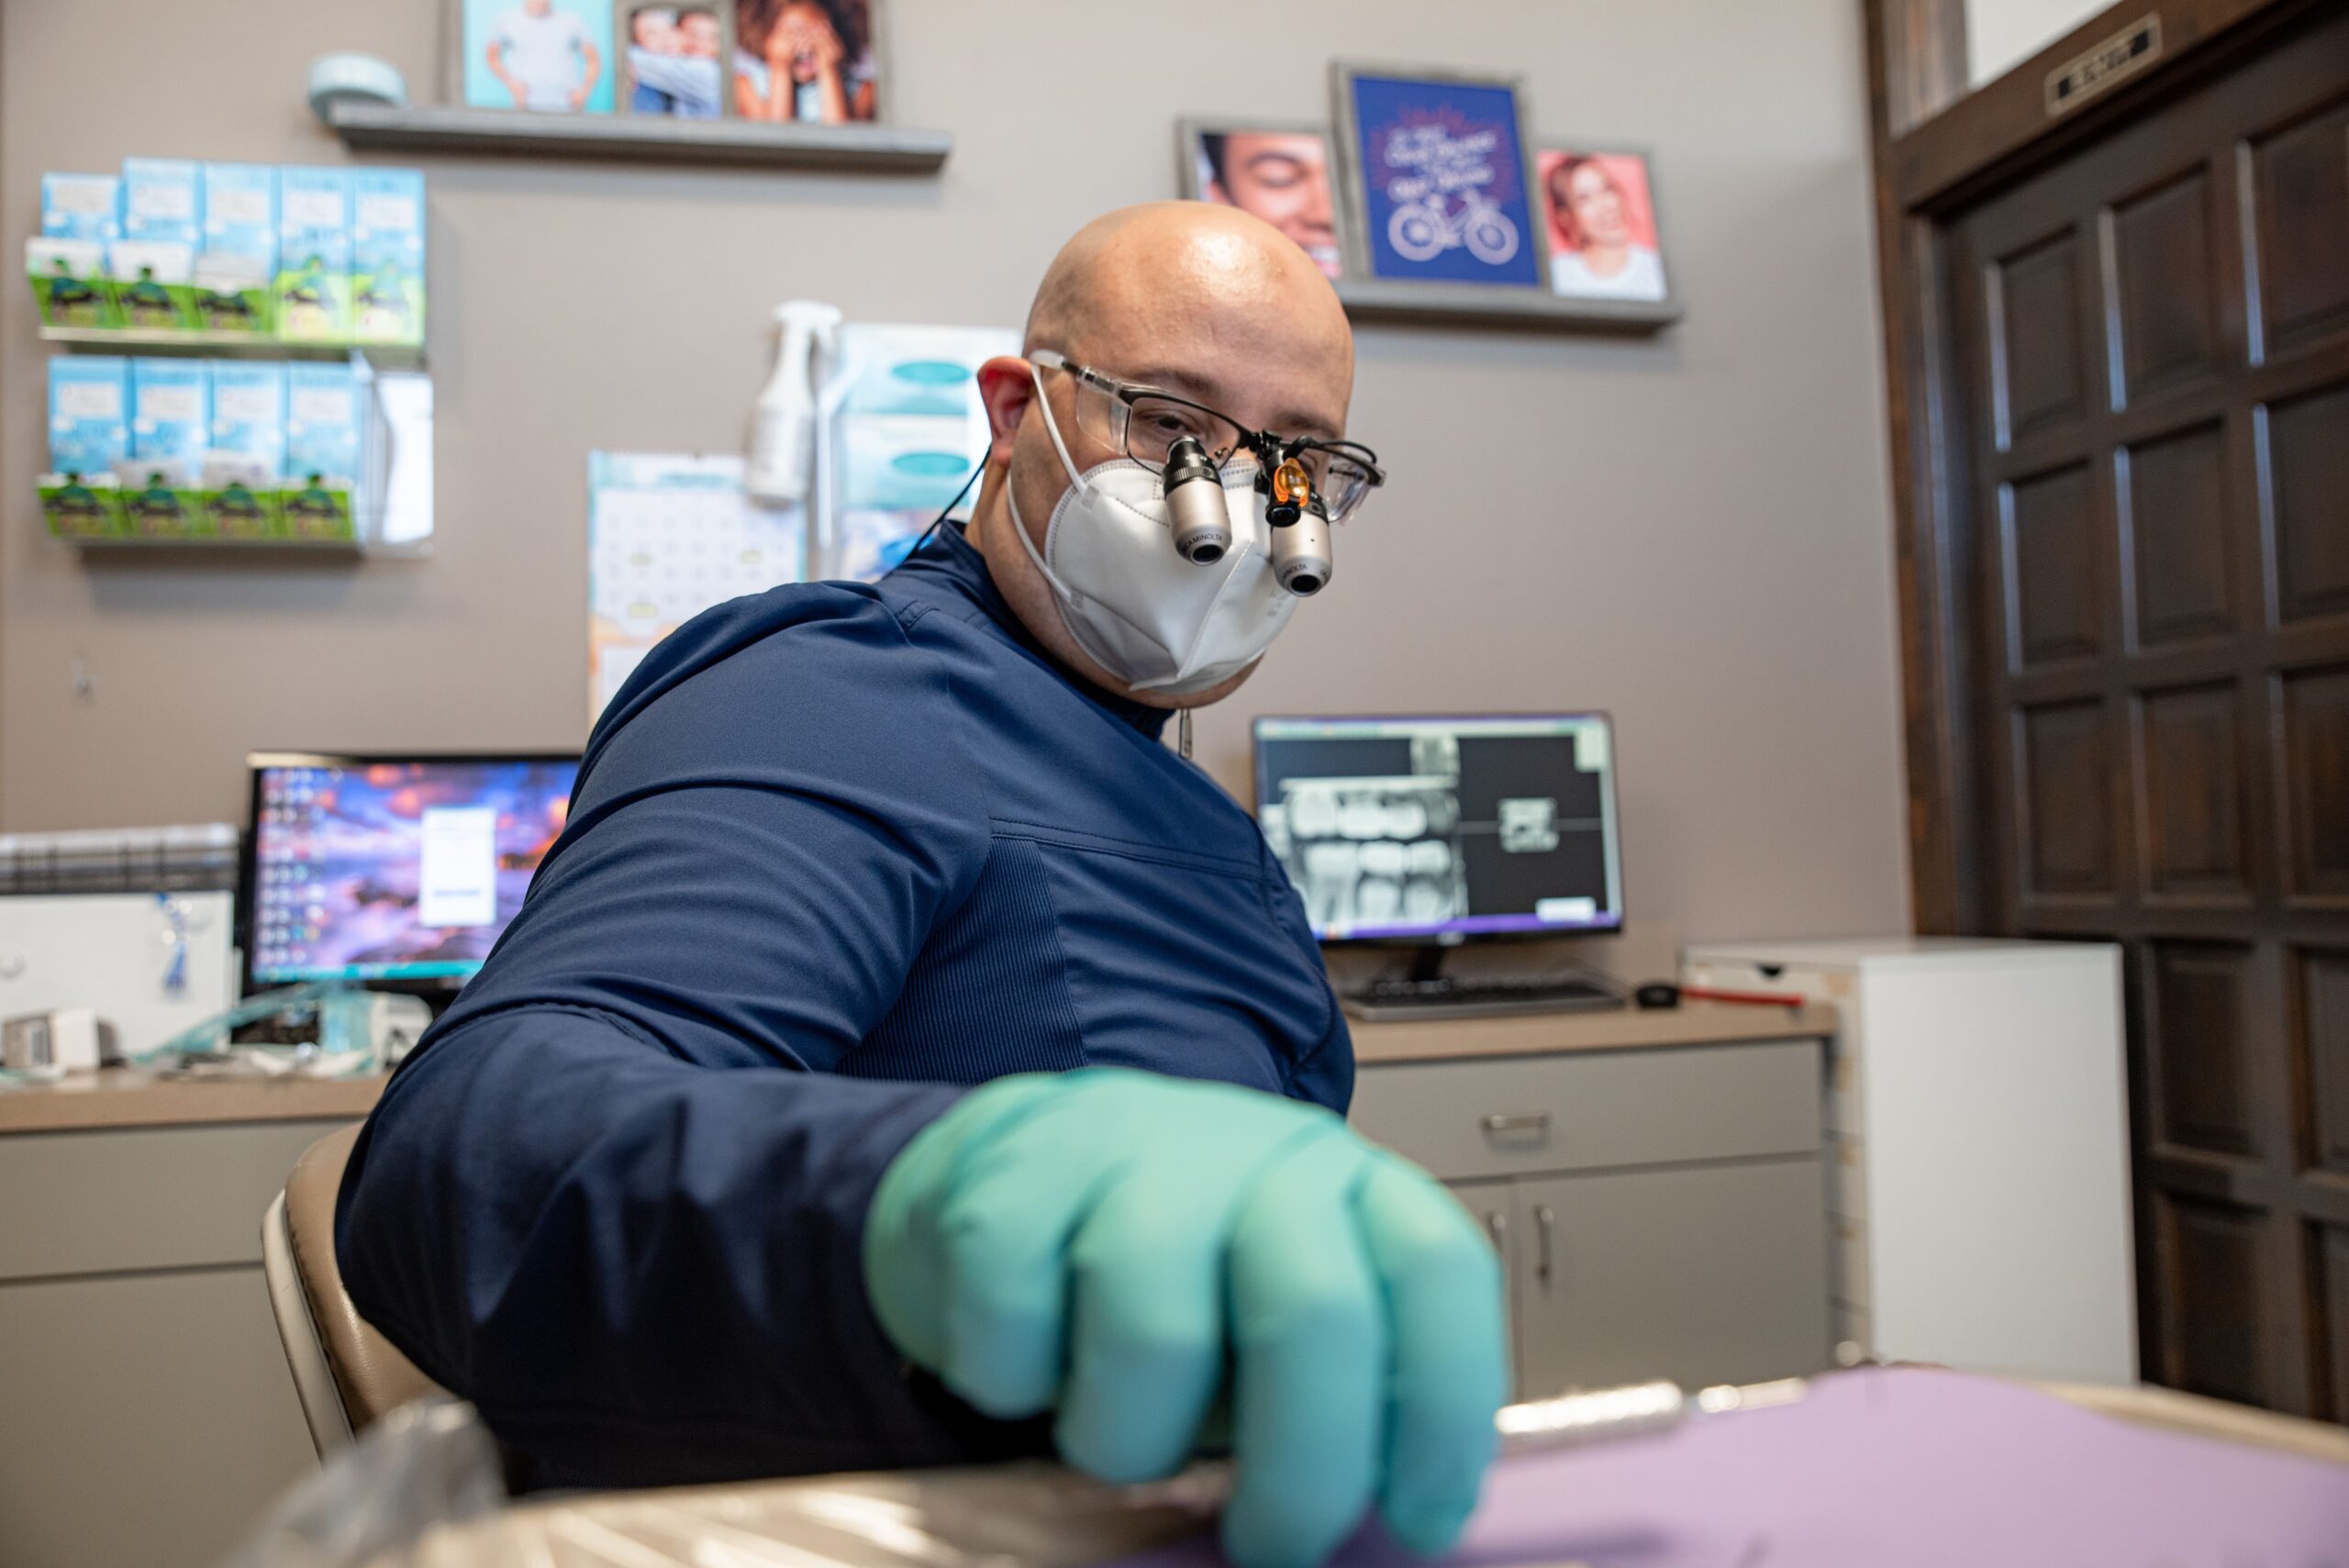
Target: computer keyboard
<point>1478,996</point>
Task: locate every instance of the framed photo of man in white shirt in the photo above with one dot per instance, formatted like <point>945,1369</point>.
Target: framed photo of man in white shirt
<point>547,57</point>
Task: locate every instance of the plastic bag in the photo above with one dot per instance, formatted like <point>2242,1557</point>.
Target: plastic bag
<point>424,1488</point>
<point>425,1464</point>
<point>1031,1515</point>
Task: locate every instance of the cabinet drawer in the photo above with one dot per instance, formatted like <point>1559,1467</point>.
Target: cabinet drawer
<point>86,1203</point>
<point>1507,1115</point>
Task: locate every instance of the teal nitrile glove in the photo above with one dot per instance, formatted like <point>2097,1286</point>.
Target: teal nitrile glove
<point>1098,1242</point>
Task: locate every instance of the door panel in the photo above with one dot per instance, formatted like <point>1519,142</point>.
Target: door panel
<point>2300,177</point>
<point>2308,474</point>
<point>2154,332</point>
<point>1703,1274</point>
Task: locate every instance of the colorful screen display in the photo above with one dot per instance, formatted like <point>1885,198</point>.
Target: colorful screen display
<point>365,869</point>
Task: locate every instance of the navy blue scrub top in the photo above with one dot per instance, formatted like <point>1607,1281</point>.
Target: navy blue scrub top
<point>837,851</point>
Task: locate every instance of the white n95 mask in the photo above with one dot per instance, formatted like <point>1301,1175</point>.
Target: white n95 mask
<point>1154,620</point>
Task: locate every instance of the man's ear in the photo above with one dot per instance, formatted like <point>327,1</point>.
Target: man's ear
<point>1006,385</point>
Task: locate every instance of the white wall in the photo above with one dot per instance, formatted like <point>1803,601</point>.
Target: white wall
<point>1691,530</point>
<point>2002,34</point>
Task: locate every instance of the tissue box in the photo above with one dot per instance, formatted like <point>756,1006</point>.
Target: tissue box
<point>313,292</point>
<point>246,465</point>
<point>162,201</point>
<point>236,267</point>
<point>171,414</point>
<point>170,421</point>
<point>154,284</point>
<point>69,283</point>
<point>387,256</point>
<point>76,506</point>
<point>81,206</point>
<point>325,424</point>
<point>249,412</point>
<point>89,424</point>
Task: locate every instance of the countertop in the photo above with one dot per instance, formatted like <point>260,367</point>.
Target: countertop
<point>1618,1029</point>
<point>127,1097</point>
<point>121,1097</point>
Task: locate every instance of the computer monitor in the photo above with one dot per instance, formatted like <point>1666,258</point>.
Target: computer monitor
<point>393,869</point>
<point>1437,830</point>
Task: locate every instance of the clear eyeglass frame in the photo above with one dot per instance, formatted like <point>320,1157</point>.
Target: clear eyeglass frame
<point>1144,422</point>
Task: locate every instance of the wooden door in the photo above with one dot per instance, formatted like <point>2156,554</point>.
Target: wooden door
<point>2154,340</point>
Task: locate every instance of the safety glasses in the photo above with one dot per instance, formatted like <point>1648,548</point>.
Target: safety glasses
<point>1143,423</point>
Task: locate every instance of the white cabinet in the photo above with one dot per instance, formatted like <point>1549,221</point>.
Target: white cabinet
<point>1977,1124</point>
<point>1659,1211</point>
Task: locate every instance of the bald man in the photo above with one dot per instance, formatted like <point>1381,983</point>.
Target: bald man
<point>903,1057</point>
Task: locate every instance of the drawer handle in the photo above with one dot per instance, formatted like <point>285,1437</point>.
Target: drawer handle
<point>1496,1227</point>
<point>1525,1121</point>
<point>1546,1221</point>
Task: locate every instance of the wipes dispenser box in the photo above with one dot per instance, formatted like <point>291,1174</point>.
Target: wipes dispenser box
<point>89,433</point>
<point>80,214</point>
<point>312,293</point>
<point>245,466</point>
<point>171,419</point>
<point>153,263</point>
<point>325,420</point>
<point>236,265</point>
<point>387,256</point>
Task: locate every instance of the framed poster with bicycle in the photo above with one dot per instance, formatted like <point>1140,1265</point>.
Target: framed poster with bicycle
<point>1438,168</point>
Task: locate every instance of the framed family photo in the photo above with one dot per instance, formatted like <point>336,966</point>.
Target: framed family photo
<point>1599,214</point>
<point>1280,172</point>
<point>671,57</point>
<point>805,61</point>
<point>1437,177</point>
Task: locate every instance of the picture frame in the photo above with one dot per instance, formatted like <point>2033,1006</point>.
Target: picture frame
<point>862,28</point>
<point>1645,276</point>
<point>1293,187</point>
<point>671,58</point>
<point>1437,170</point>
<point>468,79</point>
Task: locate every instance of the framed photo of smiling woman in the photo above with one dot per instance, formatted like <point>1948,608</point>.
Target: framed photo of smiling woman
<point>1279,172</point>
<point>1599,214</point>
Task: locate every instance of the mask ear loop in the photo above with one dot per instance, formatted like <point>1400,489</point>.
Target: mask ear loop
<point>1053,429</point>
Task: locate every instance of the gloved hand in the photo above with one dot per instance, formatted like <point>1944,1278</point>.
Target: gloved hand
<point>1104,1242</point>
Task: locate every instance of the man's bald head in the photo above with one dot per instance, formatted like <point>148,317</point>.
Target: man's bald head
<point>1168,284</point>
<point>1202,301</point>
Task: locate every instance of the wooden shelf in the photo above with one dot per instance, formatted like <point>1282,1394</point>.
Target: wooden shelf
<point>118,544</point>
<point>511,133</point>
<point>1524,310</point>
<point>232,345</point>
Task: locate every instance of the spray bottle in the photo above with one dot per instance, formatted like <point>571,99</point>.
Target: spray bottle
<point>782,464</point>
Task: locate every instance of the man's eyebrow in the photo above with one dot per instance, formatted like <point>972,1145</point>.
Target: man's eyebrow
<point>1183,385</point>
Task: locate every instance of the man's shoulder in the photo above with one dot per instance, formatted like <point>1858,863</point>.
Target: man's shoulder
<point>837,646</point>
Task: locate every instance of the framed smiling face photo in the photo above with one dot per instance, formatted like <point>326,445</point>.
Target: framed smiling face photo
<point>1279,172</point>
<point>813,61</point>
<point>1599,216</point>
